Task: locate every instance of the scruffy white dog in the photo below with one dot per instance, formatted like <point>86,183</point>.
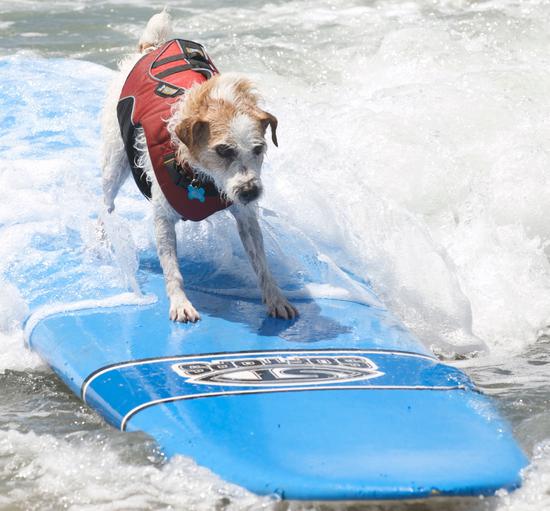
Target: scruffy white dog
<point>193,150</point>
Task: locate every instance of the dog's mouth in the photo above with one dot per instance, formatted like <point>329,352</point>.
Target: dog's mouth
<point>248,192</point>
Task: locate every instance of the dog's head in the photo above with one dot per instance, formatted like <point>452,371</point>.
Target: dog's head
<point>219,128</point>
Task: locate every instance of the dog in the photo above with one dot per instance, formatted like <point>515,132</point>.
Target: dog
<point>194,141</point>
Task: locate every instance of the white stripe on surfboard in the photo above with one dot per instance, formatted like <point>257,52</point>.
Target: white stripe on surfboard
<point>137,409</point>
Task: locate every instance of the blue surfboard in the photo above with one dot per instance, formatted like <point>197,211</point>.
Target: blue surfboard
<point>341,404</point>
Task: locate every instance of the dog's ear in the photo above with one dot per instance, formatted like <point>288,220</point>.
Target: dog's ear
<point>193,132</point>
<point>270,120</point>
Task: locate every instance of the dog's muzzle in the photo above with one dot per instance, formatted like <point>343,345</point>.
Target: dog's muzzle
<point>249,191</point>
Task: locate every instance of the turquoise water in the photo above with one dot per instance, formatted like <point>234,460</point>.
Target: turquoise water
<point>413,136</point>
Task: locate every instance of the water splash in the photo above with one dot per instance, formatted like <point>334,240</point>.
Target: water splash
<point>119,237</point>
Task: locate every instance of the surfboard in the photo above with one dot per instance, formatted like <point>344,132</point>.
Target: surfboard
<point>341,404</point>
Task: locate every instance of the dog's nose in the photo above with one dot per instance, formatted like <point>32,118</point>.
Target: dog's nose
<point>249,192</point>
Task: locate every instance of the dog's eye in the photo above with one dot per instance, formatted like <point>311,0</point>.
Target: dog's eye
<point>258,149</point>
<point>225,151</point>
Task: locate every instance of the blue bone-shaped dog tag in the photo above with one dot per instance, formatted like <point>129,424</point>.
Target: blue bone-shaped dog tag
<point>195,193</point>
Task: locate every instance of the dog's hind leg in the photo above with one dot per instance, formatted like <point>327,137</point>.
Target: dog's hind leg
<point>115,169</point>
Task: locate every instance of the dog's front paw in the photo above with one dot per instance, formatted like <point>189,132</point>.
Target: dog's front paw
<point>278,306</point>
<point>182,310</point>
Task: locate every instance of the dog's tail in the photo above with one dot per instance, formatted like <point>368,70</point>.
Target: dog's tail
<point>157,31</point>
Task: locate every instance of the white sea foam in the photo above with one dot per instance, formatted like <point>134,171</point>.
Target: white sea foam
<point>533,496</point>
<point>86,472</point>
<point>13,311</point>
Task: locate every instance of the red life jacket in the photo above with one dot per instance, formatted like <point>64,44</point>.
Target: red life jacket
<point>151,88</point>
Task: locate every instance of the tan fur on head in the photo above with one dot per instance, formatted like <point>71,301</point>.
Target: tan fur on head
<point>270,120</point>
<point>207,110</point>
<point>193,132</point>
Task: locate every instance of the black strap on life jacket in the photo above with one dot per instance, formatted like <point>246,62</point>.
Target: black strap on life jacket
<point>167,60</point>
<point>174,70</point>
<point>192,57</point>
<point>183,176</point>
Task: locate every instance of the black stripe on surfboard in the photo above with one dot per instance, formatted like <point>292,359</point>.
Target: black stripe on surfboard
<point>167,400</point>
<point>139,361</point>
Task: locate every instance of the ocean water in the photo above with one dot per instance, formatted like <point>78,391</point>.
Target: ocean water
<point>413,147</point>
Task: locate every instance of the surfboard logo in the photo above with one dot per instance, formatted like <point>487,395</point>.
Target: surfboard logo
<point>278,370</point>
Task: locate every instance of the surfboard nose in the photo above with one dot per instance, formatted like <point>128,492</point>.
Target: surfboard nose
<point>345,444</point>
